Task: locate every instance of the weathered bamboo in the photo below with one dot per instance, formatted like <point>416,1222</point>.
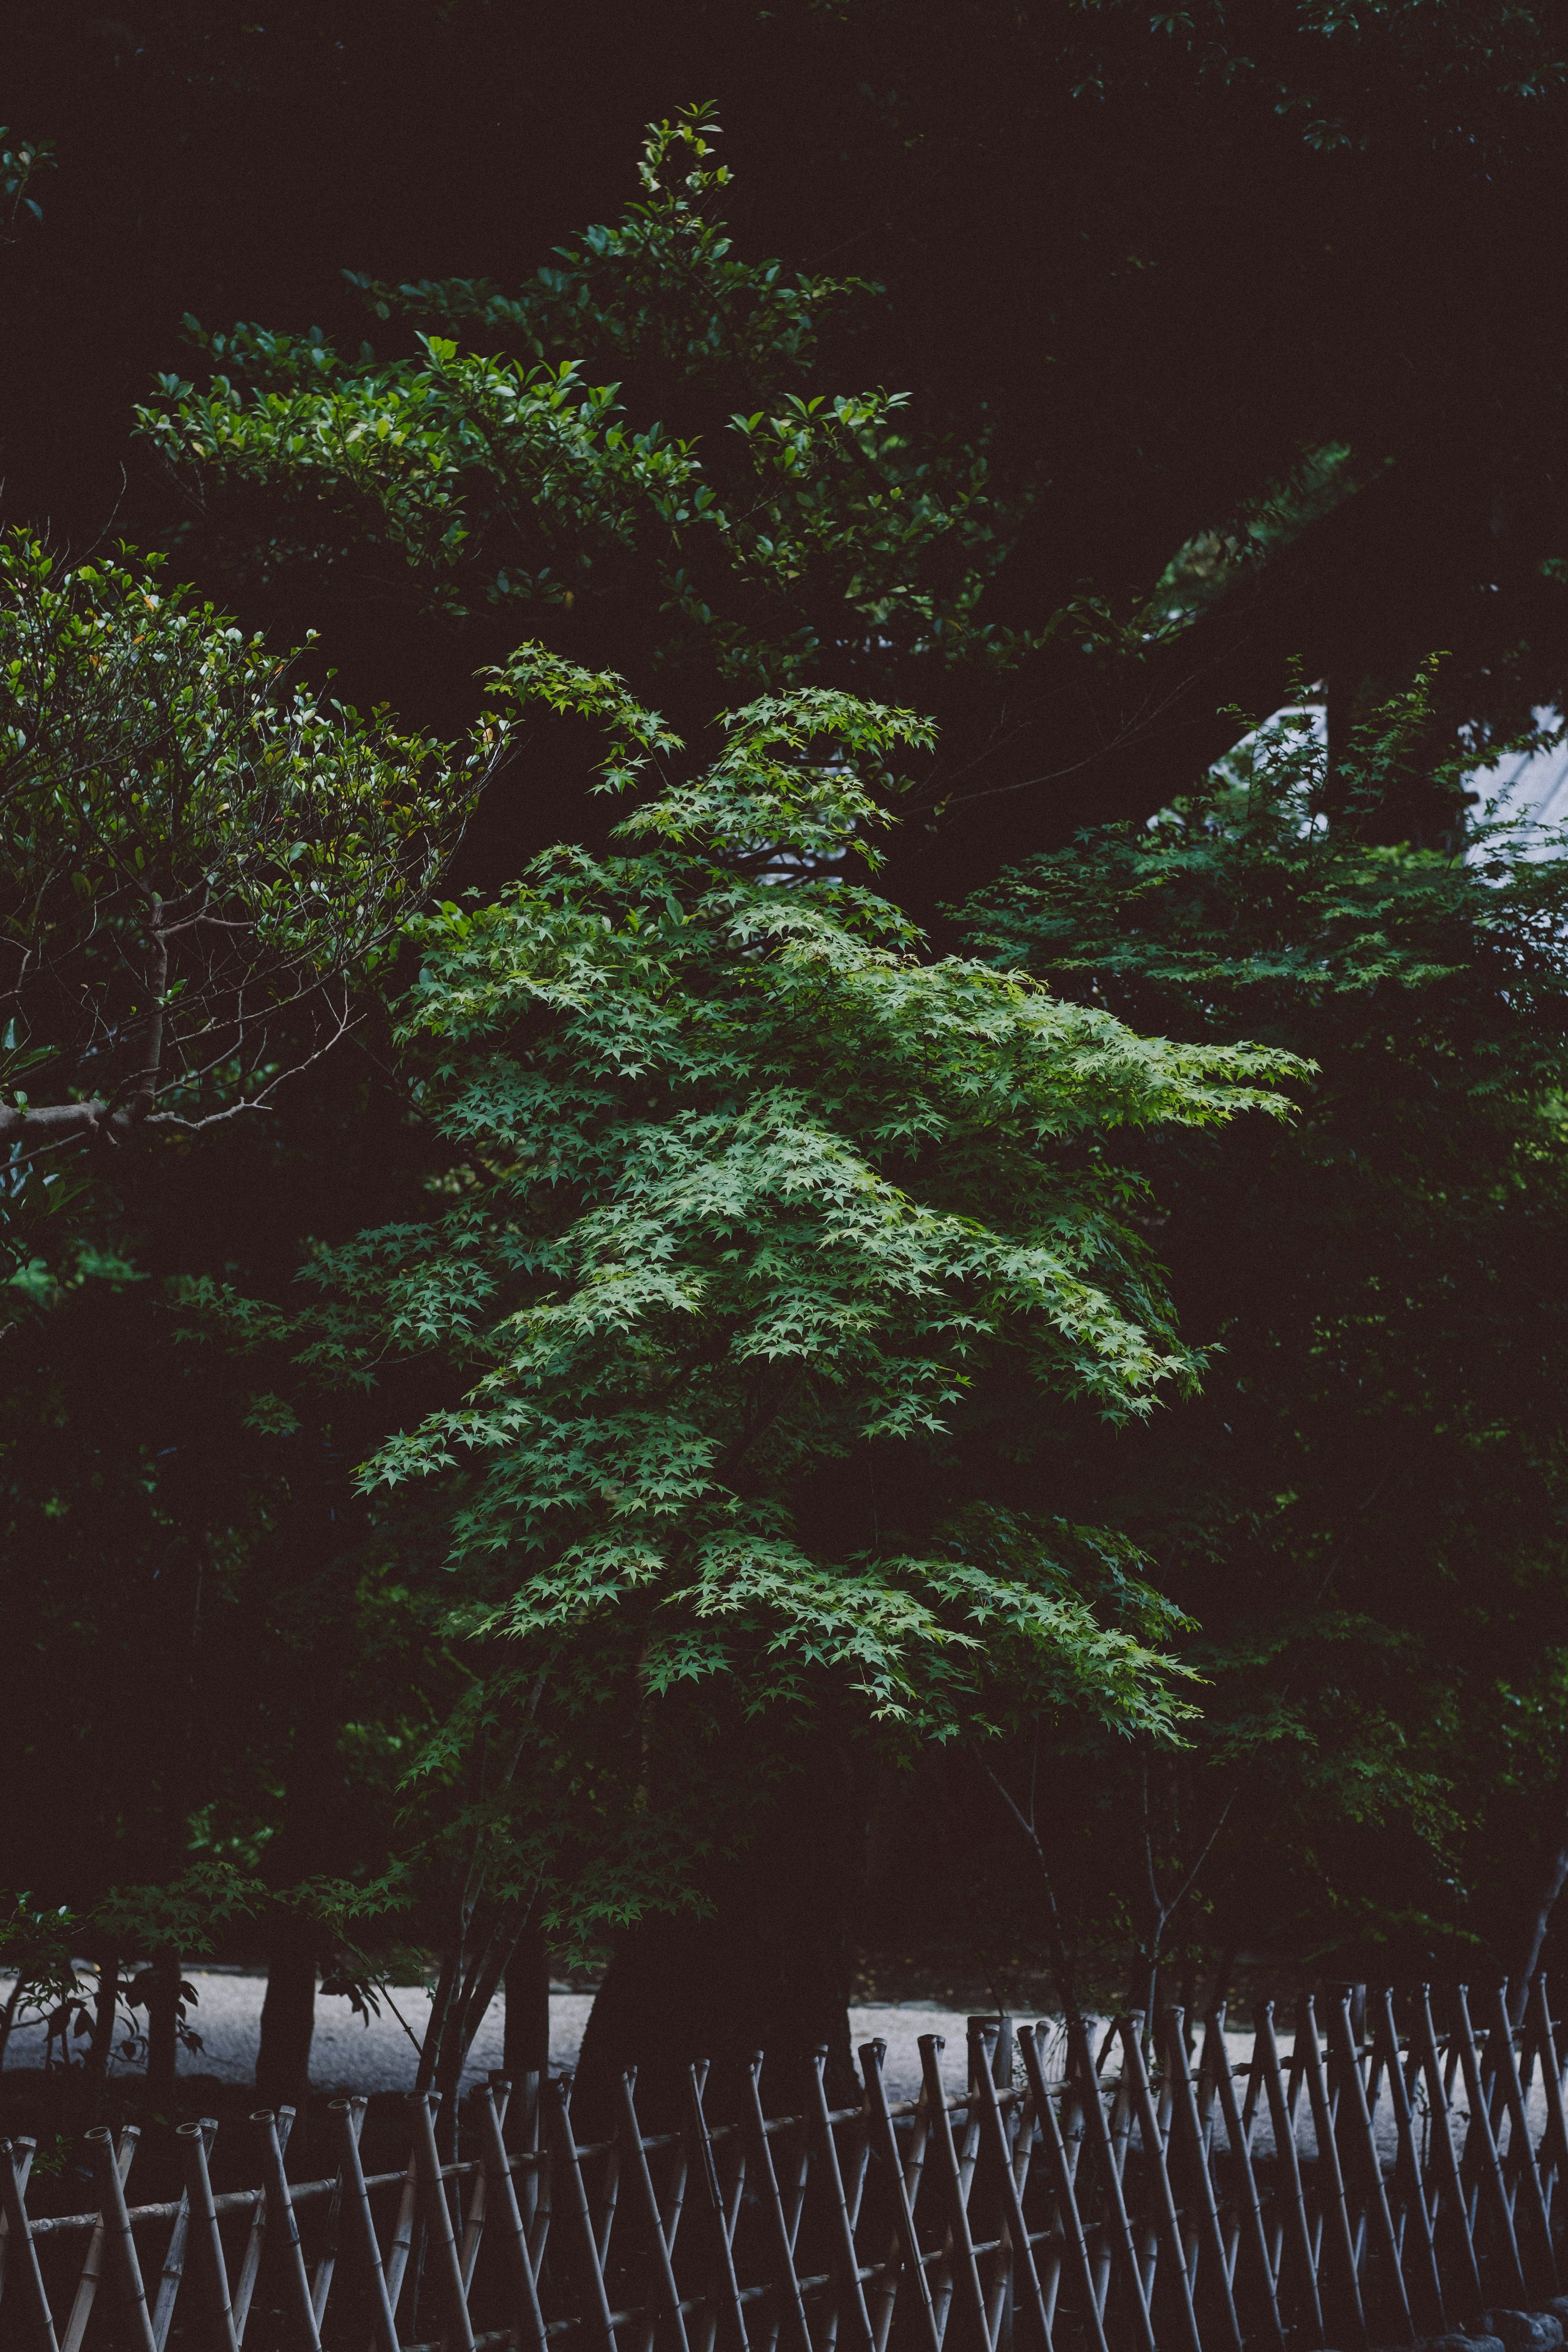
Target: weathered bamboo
<point>1481,2140</point>
<point>255,2238</point>
<point>498,2090</point>
<point>284,2225</point>
<point>459,2332</point>
<point>1380,2219</point>
<point>1122,2250</point>
<point>788,2305</point>
<point>1407,2163</point>
<point>121,2244</point>
<point>1065,2189</point>
<point>15,2166</point>
<point>904,2263</point>
<point>1018,2252</point>
<point>1332,2202</point>
<point>724,2295</point>
<point>659,2235</point>
<point>850,2313</point>
<point>960,2277</point>
<point>1164,2223</point>
<point>1248,2206</point>
<point>1185,2124</point>
<point>327,2261</point>
<point>1298,2233</point>
<point>1556,2136</point>
<point>173,2270</point>
<point>1520,2154</point>
<point>361,2222</point>
<point>97,2250</point>
<point>1444,2161</point>
<point>197,2139</point>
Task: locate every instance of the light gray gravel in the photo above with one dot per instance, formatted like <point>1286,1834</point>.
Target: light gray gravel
<point>348,2055</point>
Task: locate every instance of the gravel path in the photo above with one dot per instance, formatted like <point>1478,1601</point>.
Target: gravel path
<point>348,2055</point>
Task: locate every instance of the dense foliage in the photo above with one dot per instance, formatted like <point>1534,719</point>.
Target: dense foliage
<point>756,1295</point>
<point>1364,1511</point>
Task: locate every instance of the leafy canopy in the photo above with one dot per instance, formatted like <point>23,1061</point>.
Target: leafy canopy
<point>200,861</point>
<point>1364,1508</point>
<point>739,1185</point>
<point>772,526</point>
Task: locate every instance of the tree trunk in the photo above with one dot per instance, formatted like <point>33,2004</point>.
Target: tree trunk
<point>768,1970</point>
<point>162,2007</point>
<point>1548,1887</point>
<point>106,2008</point>
<point>526,2057</point>
<point>288,2014</point>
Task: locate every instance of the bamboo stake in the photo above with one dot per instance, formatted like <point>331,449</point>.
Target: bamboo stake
<point>963,2272</point>
<point>1442,2152</point>
<point>1184,2121</point>
<point>197,2140</point>
<point>250,2265</point>
<point>1016,2235</point>
<point>1521,2155</point>
<point>1063,2188</point>
<point>1556,2132</point>
<point>498,2093</point>
<point>904,2261</point>
<point>97,2250</point>
<point>347,2125</point>
<point>1380,2221</point>
<point>292,2259</point>
<point>845,2259</point>
<point>1297,2230</point>
<point>1249,2228</point>
<point>1164,2222</point>
<point>402,2242</point>
<point>726,2295</point>
<point>174,2269</point>
<point>665,2288</point>
<point>438,2222</point>
<point>788,2303</point>
<point>321,2283</point>
<point>1479,2136</point>
<point>15,2166</point>
<point>1121,2247</point>
<point>117,2222</point>
<point>1331,2200</point>
<point>1387,2038</point>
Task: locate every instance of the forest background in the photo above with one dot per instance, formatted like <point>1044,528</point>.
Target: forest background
<point>955,1381</point>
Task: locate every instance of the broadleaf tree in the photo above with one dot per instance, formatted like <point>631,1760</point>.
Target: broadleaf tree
<point>740,1191</point>
<point>202,861</point>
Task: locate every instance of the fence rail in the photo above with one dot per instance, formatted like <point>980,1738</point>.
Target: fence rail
<point>1092,2190</point>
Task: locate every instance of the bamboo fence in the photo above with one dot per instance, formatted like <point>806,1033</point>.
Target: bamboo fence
<point>1383,2180</point>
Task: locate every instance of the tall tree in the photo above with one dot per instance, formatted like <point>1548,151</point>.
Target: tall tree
<point>749,1203</point>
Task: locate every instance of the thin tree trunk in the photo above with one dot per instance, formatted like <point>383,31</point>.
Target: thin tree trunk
<point>162,2007</point>
<point>288,2014</point>
<point>106,2008</point>
<point>1548,1886</point>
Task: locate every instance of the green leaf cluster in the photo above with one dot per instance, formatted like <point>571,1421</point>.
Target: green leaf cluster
<point>738,1185</point>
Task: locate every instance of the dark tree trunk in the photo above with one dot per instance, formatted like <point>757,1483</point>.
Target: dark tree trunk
<point>527,2052</point>
<point>287,2013</point>
<point>162,2007</point>
<point>106,2008</point>
<point>1551,1873</point>
<point>526,2057</point>
<point>769,1969</point>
